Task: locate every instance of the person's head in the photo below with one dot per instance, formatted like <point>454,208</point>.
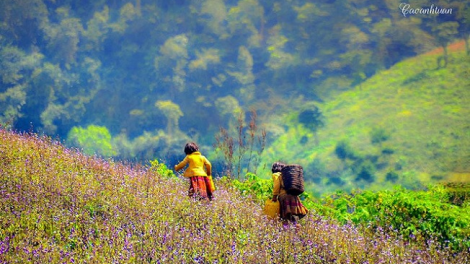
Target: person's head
<point>190,148</point>
<point>277,166</point>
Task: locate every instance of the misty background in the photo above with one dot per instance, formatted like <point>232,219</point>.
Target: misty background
<point>267,80</point>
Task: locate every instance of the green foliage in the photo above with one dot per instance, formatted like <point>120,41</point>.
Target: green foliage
<point>66,65</point>
<point>262,189</point>
<point>172,112</point>
<point>149,145</point>
<point>392,176</point>
<point>388,123</point>
<point>458,192</point>
<point>204,58</point>
<point>59,205</point>
<point>279,59</point>
<point>312,119</point>
<point>92,139</point>
<point>379,135</point>
<point>228,106</point>
<point>161,169</point>
<point>423,214</point>
<point>344,151</point>
<point>366,171</point>
<point>16,66</point>
<point>217,10</point>
<point>241,153</point>
<point>252,185</point>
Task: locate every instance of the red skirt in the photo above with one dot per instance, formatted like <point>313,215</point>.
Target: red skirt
<point>199,188</point>
<point>291,207</point>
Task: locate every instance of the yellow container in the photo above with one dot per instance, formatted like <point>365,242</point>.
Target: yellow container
<point>211,184</point>
<point>272,209</point>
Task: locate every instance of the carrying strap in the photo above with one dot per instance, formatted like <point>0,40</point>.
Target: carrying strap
<point>279,177</point>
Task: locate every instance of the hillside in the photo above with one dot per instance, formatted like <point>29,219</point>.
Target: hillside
<point>406,125</point>
<point>58,205</point>
<point>141,78</point>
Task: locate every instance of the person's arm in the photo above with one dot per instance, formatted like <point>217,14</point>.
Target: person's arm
<point>276,186</point>
<point>181,164</point>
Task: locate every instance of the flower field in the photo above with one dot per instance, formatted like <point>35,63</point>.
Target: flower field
<point>58,205</point>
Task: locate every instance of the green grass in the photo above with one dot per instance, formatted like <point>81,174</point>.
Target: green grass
<point>425,110</point>
<point>60,206</point>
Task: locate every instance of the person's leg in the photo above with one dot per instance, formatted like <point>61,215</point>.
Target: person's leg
<point>295,221</point>
<point>285,224</point>
<point>209,190</point>
<point>191,188</point>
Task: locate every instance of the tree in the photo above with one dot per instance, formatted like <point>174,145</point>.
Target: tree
<point>278,58</point>
<point>20,22</point>
<point>463,18</point>
<point>16,68</point>
<point>243,74</point>
<point>68,94</point>
<point>311,119</point>
<point>379,135</point>
<point>63,38</point>
<point>92,139</point>
<point>229,108</point>
<point>172,112</point>
<point>174,55</point>
<point>246,20</point>
<point>204,58</point>
<point>444,34</point>
<point>443,28</point>
<point>97,30</point>
<point>217,11</point>
<point>344,151</point>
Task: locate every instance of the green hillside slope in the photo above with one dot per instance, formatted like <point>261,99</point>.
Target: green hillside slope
<point>409,124</point>
<point>60,206</point>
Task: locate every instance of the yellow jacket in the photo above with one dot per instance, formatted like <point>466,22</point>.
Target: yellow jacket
<point>196,165</point>
<point>278,185</point>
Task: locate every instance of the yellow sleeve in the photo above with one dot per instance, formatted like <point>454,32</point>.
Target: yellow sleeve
<point>276,184</point>
<point>208,166</point>
<point>181,164</point>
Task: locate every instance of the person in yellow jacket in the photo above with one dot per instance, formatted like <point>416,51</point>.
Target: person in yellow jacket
<point>291,208</point>
<point>199,172</point>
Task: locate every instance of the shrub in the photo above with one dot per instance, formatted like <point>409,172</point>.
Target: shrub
<point>92,139</point>
<point>415,215</point>
<point>60,206</point>
<point>392,176</point>
<point>344,151</point>
<point>379,135</point>
<point>312,119</point>
<point>425,214</point>
<point>366,172</point>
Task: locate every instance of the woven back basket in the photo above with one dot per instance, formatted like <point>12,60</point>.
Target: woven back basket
<point>293,179</point>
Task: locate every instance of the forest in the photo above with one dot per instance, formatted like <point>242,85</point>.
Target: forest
<point>355,91</point>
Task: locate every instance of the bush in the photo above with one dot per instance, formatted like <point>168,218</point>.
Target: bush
<point>161,169</point>
<point>311,119</point>
<point>458,192</point>
<point>391,176</point>
<point>93,140</point>
<point>415,215</point>
<point>60,206</point>
<point>366,172</point>
<point>379,135</point>
<point>344,151</point>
